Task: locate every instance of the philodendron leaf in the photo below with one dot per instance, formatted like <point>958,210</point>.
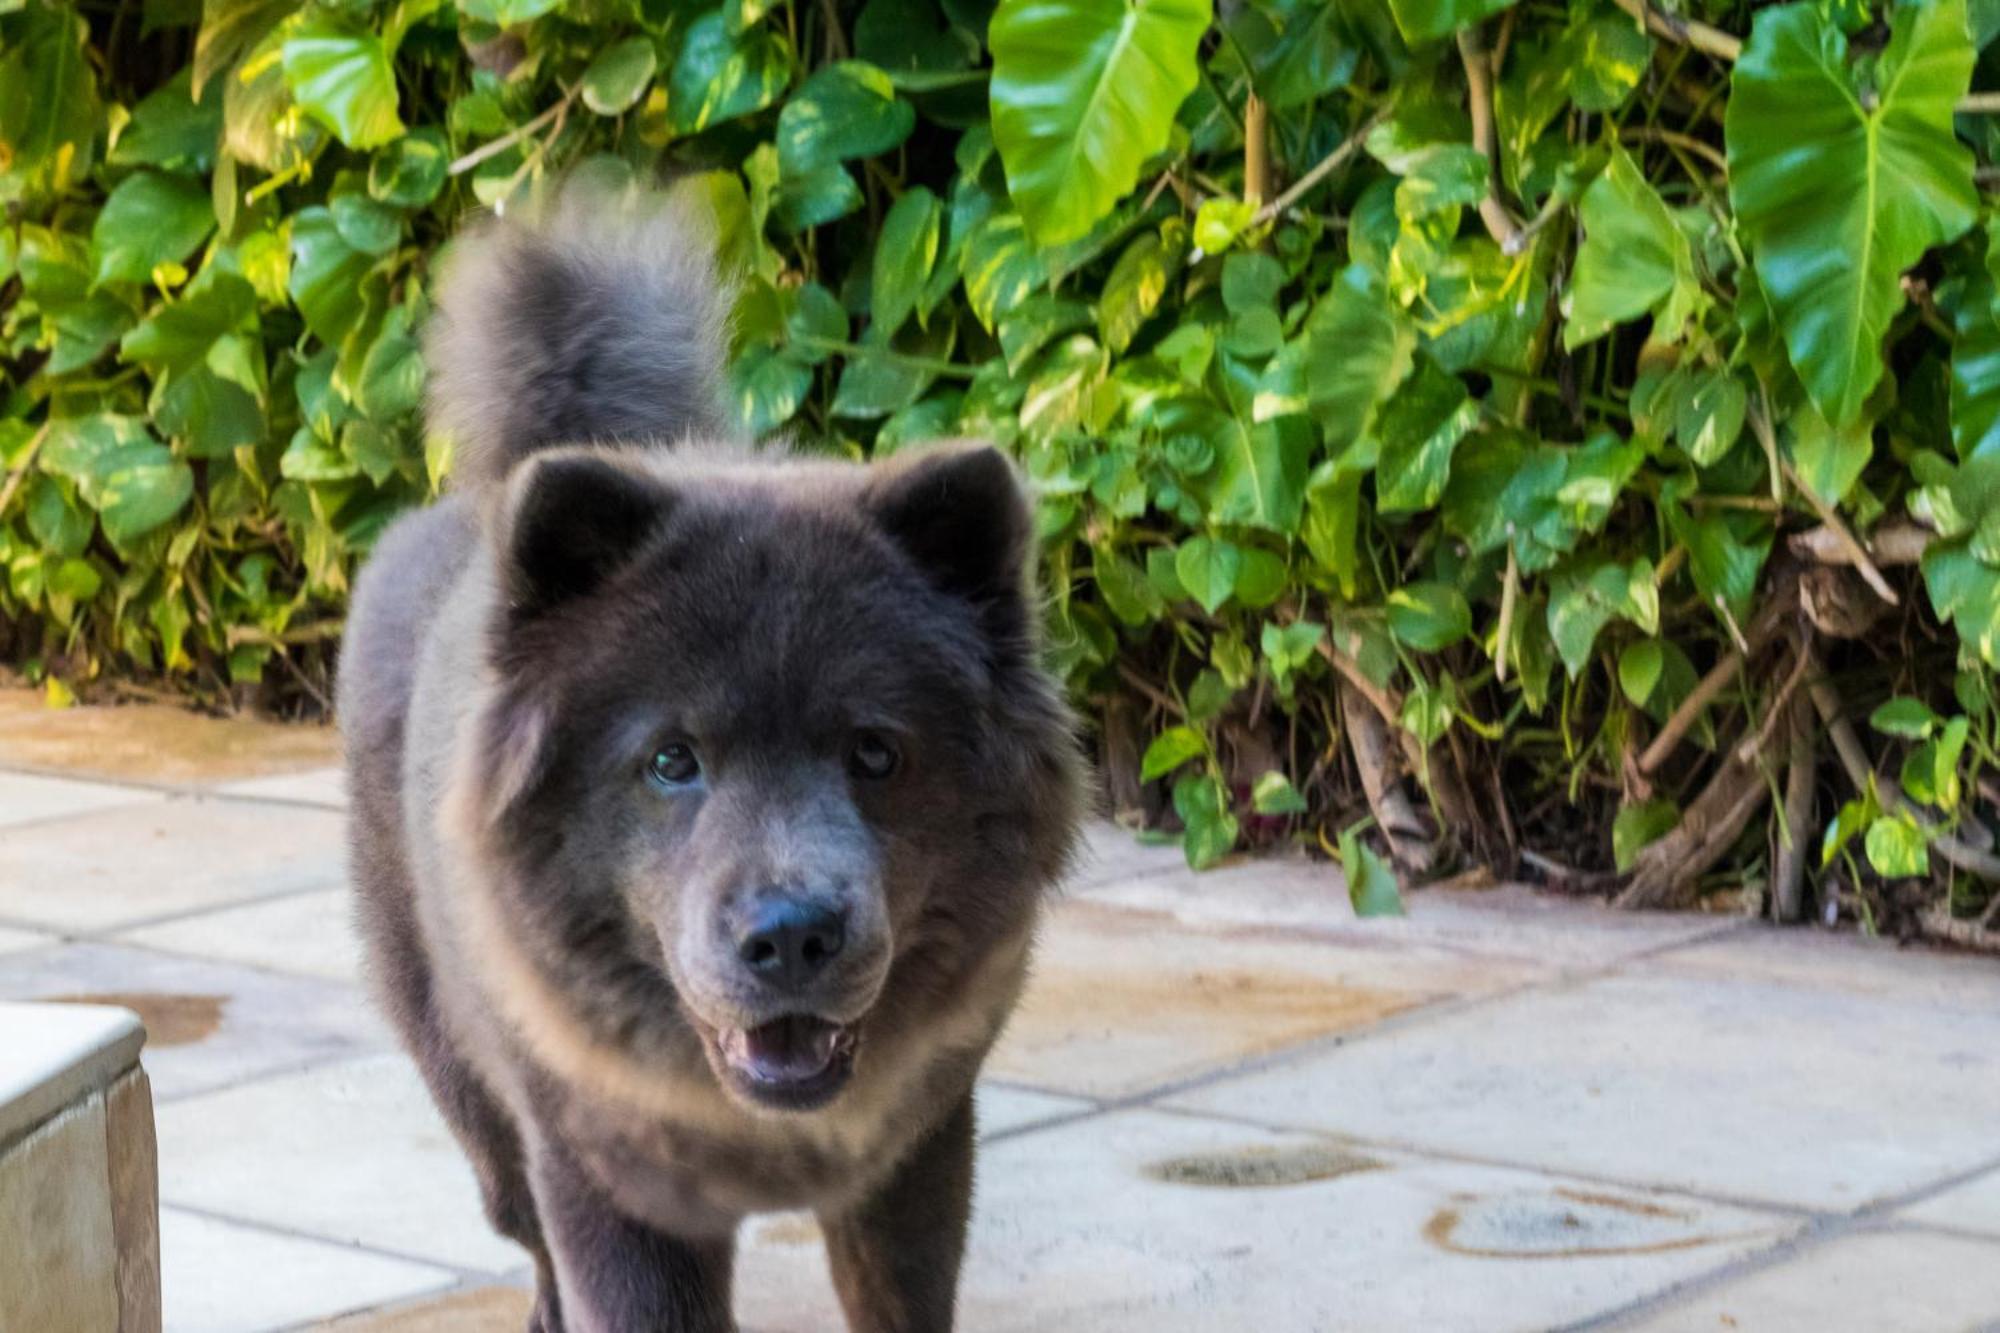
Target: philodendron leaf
<point>1836,200</point>
<point>720,76</point>
<point>1429,617</point>
<point>1634,259</point>
<point>1637,825</point>
<point>904,253</point>
<point>1083,92</point>
<point>1904,716</point>
<point>1133,290</point>
<point>1897,847</point>
<point>505,13</point>
<point>1359,348</point>
<point>1582,603</point>
<point>1207,567</point>
<point>1423,20</point>
<point>847,109</point>
<point>619,75</point>
<point>1169,750</point>
<point>1210,825</point>
<point>49,108</point>
<point>1274,794</point>
<point>151,218</point>
<point>340,74</point>
<point>1371,885</point>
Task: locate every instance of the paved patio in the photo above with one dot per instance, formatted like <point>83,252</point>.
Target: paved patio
<point>1226,1104</point>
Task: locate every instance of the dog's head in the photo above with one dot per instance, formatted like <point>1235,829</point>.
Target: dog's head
<point>768,753</point>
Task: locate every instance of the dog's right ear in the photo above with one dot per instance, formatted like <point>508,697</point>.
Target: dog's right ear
<point>575,519</point>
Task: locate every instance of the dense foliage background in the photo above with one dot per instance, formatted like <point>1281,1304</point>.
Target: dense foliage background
<point>1554,438</point>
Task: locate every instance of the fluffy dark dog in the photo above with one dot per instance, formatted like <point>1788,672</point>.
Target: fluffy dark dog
<point>703,796</point>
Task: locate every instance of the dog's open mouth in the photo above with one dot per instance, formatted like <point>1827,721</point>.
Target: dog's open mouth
<point>797,1062</point>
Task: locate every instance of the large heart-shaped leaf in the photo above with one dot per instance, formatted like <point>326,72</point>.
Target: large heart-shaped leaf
<point>719,76</point>
<point>170,128</point>
<point>1422,20</point>
<point>1261,472</point>
<point>618,76</point>
<point>1134,287</point>
<point>1358,350</point>
<point>326,275</point>
<point>1429,617</point>
<point>847,109</point>
<point>48,103</point>
<point>1207,568</point>
<point>904,253</point>
<point>1419,428</point>
<point>151,218</point>
<point>341,76</point>
<point>1837,200</point>
<point>1583,601</point>
<point>1633,259</point>
<point>506,13</point>
<point>1083,92</point>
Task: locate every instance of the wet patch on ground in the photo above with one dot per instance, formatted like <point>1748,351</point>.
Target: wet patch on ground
<point>1565,1223</point>
<point>1261,1166</point>
<point>170,1019</point>
<point>154,742</point>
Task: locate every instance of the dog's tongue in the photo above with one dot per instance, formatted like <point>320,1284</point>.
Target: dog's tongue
<point>786,1050</point>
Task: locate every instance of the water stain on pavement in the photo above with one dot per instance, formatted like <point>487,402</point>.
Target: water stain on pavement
<point>1565,1223</point>
<point>1261,1166</point>
<point>170,1019</point>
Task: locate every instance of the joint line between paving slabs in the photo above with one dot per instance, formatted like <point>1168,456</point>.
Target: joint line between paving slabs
<point>110,934</point>
<point>1871,1218</point>
<point>486,1277</point>
<point>1560,980</point>
<point>285,802</point>
<point>309,1065</point>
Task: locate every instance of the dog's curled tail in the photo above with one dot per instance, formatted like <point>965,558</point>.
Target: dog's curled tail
<point>596,319</point>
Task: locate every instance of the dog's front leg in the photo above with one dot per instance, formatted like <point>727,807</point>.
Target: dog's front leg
<point>616,1275</point>
<point>895,1256</point>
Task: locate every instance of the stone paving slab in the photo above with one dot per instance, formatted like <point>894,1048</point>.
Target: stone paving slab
<point>1122,1002</point>
<point>220,1277</point>
<point>27,798</point>
<point>1973,1206</point>
<point>127,866</point>
<point>1142,1222</point>
<point>209,1024</point>
<point>13,941</point>
<point>312,934</point>
<point>1308,899</point>
<point>1870,1281</point>
<point>1711,1078</point>
<point>353,1152</point>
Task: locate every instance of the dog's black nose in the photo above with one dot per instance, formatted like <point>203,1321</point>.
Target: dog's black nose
<point>789,942</point>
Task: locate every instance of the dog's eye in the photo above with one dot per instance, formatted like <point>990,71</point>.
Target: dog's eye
<point>674,765</point>
<point>872,757</point>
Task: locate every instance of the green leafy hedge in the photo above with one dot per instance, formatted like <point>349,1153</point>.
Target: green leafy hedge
<point>1538,429</point>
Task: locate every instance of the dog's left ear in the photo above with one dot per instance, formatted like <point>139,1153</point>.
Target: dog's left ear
<point>963,515</point>
<point>575,519</point>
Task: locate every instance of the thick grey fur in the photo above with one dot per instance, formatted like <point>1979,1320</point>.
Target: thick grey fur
<point>558,937</point>
<point>596,320</point>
